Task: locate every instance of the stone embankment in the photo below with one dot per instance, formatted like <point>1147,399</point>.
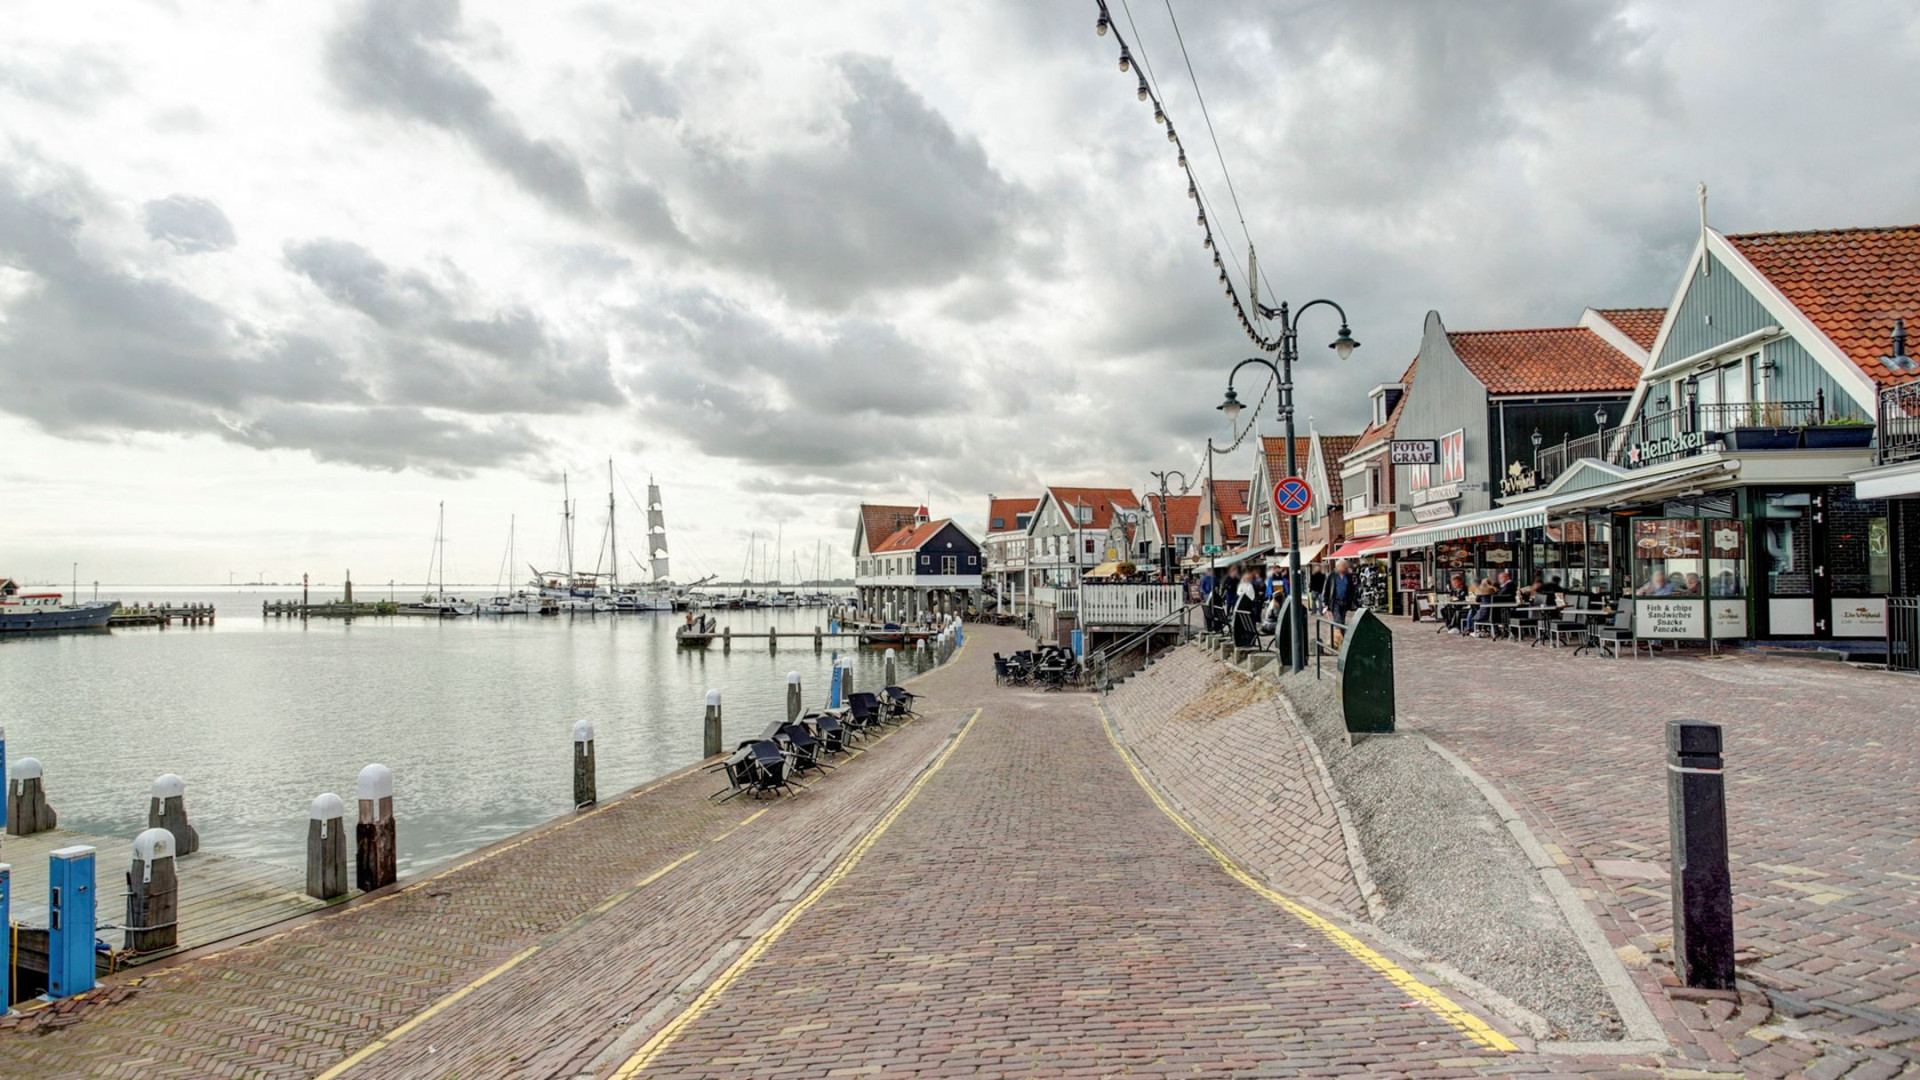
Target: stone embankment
<point>1386,831</point>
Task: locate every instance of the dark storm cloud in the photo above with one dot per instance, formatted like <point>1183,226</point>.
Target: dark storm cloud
<point>736,386</point>
<point>436,348</point>
<point>393,56</point>
<point>192,225</point>
<point>898,199</point>
<point>91,349</point>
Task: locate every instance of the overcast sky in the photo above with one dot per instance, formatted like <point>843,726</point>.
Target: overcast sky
<point>276,279</point>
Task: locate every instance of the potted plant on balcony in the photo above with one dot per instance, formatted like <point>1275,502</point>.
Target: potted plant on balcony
<point>1763,428</point>
<point>1839,433</point>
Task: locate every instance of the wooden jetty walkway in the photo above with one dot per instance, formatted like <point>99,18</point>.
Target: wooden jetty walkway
<point>220,896</point>
<point>162,615</point>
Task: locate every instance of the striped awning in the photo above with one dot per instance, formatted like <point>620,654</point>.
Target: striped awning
<point>1484,523</point>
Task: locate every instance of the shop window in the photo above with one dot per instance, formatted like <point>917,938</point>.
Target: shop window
<point>1726,558</point>
<point>1860,552</point>
<point>1667,558</point>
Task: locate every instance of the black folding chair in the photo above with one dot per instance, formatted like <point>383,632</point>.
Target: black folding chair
<point>805,750</point>
<point>864,712</point>
<point>833,735</point>
<point>1001,673</point>
<point>739,769</point>
<point>771,768</point>
<point>900,700</point>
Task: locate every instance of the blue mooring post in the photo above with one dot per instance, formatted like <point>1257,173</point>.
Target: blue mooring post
<point>6,937</point>
<point>70,921</point>
<point>833,692</point>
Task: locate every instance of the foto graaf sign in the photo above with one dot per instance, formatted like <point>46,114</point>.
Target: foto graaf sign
<point>1413,451</point>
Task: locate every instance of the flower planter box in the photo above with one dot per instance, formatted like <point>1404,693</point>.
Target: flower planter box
<point>1837,437</point>
<point>1763,438</point>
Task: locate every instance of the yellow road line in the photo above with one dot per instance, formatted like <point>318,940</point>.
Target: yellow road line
<point>665,1036</point>
<point>743,823</point>
<point>509,964</point>
<point>1446,1008</point>
<point>425,1015</point>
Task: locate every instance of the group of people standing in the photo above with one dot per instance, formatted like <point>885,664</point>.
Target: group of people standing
<point>1248,602</point>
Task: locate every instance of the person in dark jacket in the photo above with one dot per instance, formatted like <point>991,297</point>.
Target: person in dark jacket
<point>1246,612</point>
<point>1339,596</point>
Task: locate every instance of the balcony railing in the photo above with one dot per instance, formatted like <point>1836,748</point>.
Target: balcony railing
<point>1899,423</point>
<point>1669,434</point>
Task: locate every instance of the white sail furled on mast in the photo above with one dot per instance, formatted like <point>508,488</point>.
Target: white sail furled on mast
<point>656,531</point>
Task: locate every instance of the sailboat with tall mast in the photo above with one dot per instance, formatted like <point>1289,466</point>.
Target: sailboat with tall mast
<point>437,601</point>
<point>503,604</point>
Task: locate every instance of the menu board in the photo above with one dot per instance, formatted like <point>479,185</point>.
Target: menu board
<point>1498,556</point>
<point>1679,620</point>
<point>1726,539</point>
<point>1453,555</point>
<point>1411,578</point>
<point>1666,538</point>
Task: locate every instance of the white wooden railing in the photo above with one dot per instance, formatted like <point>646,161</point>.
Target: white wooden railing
<point>1128,605</point>
<point>1057,598</point>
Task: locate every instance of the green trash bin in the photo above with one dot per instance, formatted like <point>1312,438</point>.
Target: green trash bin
<point>1366,675</point>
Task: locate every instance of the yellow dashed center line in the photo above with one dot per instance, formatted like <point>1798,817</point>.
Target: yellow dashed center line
<point>520,957</point>
<point>699,1006</point>
<point>1446,1008</point>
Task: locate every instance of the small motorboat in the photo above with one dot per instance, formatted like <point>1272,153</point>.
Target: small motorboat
<point>697,632</point>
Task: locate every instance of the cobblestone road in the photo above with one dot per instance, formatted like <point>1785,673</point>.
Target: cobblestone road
<point>992,892</point>
<point>1823,803</point>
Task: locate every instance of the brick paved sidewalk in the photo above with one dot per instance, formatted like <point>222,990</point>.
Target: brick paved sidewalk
<point>1033,913</point>
<point>579,932</point>
<point>1823,802</point>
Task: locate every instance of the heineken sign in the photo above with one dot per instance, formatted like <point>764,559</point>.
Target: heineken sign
<point>1654,449</point>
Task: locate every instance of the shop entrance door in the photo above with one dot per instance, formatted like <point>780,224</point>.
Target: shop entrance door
<point>1797,603</point>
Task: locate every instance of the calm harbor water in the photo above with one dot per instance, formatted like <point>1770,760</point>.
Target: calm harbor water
<point>473,715</point>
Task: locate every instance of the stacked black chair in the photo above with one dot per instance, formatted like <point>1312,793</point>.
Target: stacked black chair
<point>863,713</point>
<point>759,767</point>
<point>899,701</point>
<point>832,734</point>
<point>804,750</point>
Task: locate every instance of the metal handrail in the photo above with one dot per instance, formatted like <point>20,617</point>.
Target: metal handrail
<point>1100,662</point>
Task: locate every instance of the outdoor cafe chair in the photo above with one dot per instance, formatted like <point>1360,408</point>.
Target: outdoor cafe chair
<point>1619,632</point>
<point>1002,674</point>
<point>829,731</point>
<point>771,768</point>
<point>900,700</point>
<point>739,768</point>
<point>864,711</point>
<point>802,746</point>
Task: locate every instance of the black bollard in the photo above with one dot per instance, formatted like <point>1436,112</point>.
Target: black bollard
<point>376,856</point>
<point>585,791</point>
<point>1702,885</point>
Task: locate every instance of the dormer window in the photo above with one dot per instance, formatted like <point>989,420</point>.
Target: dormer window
<point>1083,514</point>
<point>1023,520</point>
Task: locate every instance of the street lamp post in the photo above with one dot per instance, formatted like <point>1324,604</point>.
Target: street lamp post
<point>1166,546</point>
<point>1343,346</point>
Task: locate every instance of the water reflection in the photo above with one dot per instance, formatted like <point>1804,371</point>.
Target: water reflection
<point>473,715</point>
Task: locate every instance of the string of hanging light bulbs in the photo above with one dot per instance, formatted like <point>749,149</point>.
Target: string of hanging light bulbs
<point>1103,26</point>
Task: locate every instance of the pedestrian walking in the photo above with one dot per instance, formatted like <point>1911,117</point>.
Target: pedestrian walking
<point>1338,597</point>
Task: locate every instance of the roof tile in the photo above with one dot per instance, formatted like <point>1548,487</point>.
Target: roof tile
<point>1556,360</point>
<point>1850,283</point>
<point>1641,324</point>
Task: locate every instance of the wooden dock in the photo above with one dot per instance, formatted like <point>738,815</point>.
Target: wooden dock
<point>220,896</point>
<point>162,615</point>
<point>332,609</point>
